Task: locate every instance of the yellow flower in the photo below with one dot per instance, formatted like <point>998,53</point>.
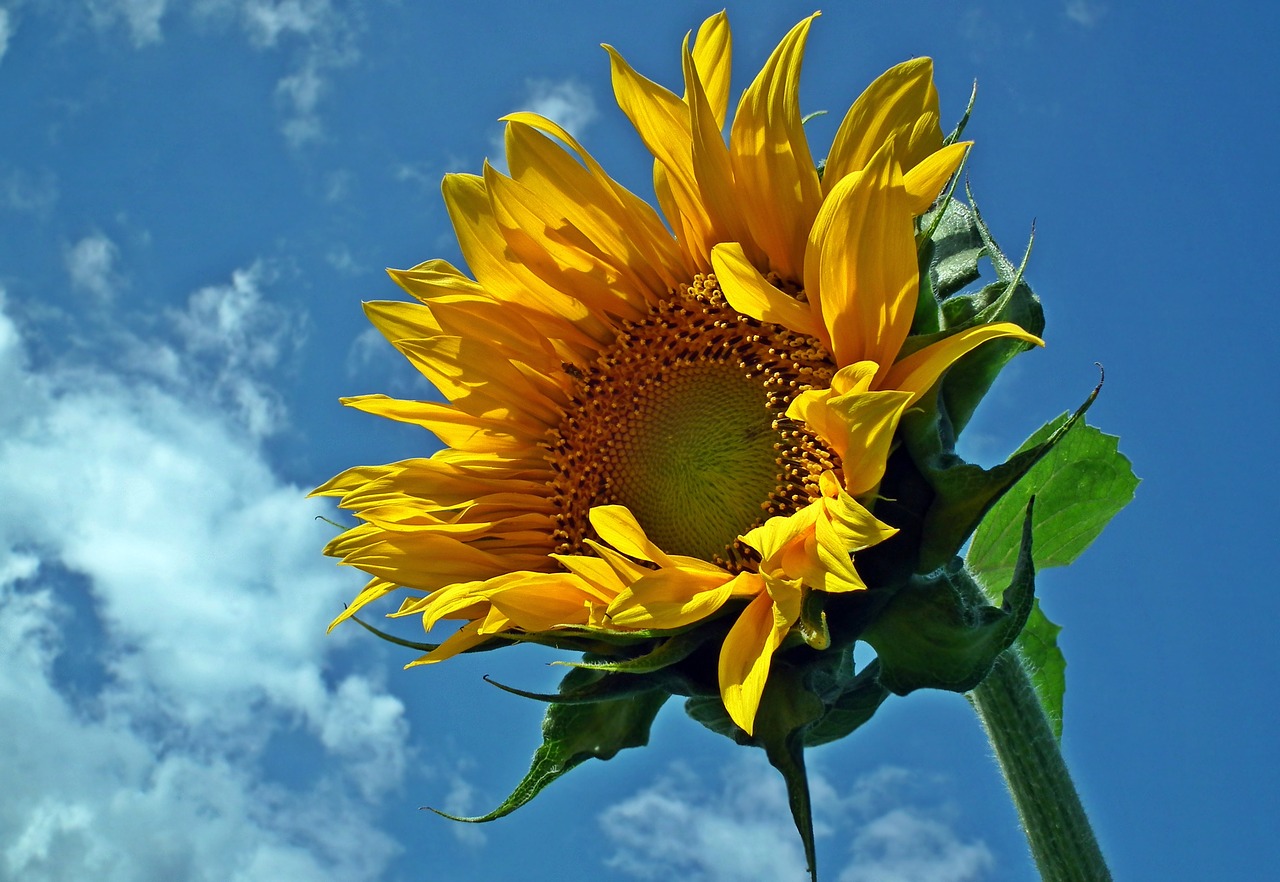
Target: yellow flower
<point>649,427</point>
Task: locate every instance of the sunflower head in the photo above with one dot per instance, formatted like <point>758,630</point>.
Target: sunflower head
<point>709,445</point>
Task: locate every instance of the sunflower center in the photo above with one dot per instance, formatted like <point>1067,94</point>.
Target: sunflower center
<point>695,460</point>
<point>683,421</point>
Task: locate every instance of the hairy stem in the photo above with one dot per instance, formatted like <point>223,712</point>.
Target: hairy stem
<point>1057,829</point>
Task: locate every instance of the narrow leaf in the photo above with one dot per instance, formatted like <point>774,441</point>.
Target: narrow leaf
<point>575,733</point>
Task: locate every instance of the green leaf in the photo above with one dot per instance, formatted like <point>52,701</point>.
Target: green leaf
<point>575,733</point>
<point>964,492</point>
<point>940,632</point>
<point>1038,644</point>
<point>1079,486</point>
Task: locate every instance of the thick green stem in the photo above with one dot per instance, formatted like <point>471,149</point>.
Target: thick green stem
<point>1058,831</point>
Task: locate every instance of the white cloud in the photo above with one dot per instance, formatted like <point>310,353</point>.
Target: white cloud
<point>567,102</point>
<point>368,347</point>
<point>676,828</point>
<point>230,335</point>
<point>28,192</point>
<point>904,846</point>
<point>1085,12</point>
<point>6,32</point>
<point>340,258</point>
<point>740,828</point>
<point>199,570</point>
<point>91,263</point>
<point>141,18</point>
<point>300,93</point>
<point>319,35</point>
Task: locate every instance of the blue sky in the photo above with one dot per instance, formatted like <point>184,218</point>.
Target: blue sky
<point>194,199</point>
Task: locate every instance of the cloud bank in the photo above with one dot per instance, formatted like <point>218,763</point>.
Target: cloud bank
<point>739,827</point>
<point>172,709</point>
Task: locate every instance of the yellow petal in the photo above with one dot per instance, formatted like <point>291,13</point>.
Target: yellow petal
<point>468,375</point>
<point>435,278</point>
<point>662,121</point>
<point>544,601</point>
<point>772,165</point>
<point>619,527</point>
<point>747,653</point>
<point>485,250</point>
<point>670,598</point>
<point>721,197</point>
<point>862,254</point>
<point>374,590</point>
<point>712,54</point>
<point>751,294</point>
<point>924,182</point>
<point>893,103</point>
<point>460,641</point>
<point>919,371</point>
<point>595,191</point>
<point>453,427</point>
<point>586,203</point>
<point>859,425</point>
<point>595,571</point>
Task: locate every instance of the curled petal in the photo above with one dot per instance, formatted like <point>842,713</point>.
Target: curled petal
<point>751,294</point>
<point>858,424</point>
<point>671,598</point>
<point>747,653</point>
<point>919,371</point>
<point>924,182</point>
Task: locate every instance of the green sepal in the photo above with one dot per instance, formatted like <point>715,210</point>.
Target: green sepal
<point>392,638</point>
<point>964,120</point>
<point>668,652</point>
<point>940,632</point>
<point>787,709</point>
<point>1079,487</point>
<point>961,238</point>
<point>858,700</point>
<point>575,733</point>
<point>603,688</point>
<point>964,492</point>
<point>957,246</point>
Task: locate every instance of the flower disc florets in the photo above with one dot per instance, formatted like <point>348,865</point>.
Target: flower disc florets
<point>683,420</point>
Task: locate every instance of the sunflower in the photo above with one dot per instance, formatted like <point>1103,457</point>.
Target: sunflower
<point>653,424</point>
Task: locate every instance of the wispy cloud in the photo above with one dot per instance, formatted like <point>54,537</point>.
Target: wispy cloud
<point>28,192</point>
<point>1086,13</point>
<point>6,32</point>
<point>149,553</point>
<point>229,336</point>
<point>91,263</point>
<point>739,827</point>
<point>140,18</point>
<point>568,102</point>
<point>320,37</point>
